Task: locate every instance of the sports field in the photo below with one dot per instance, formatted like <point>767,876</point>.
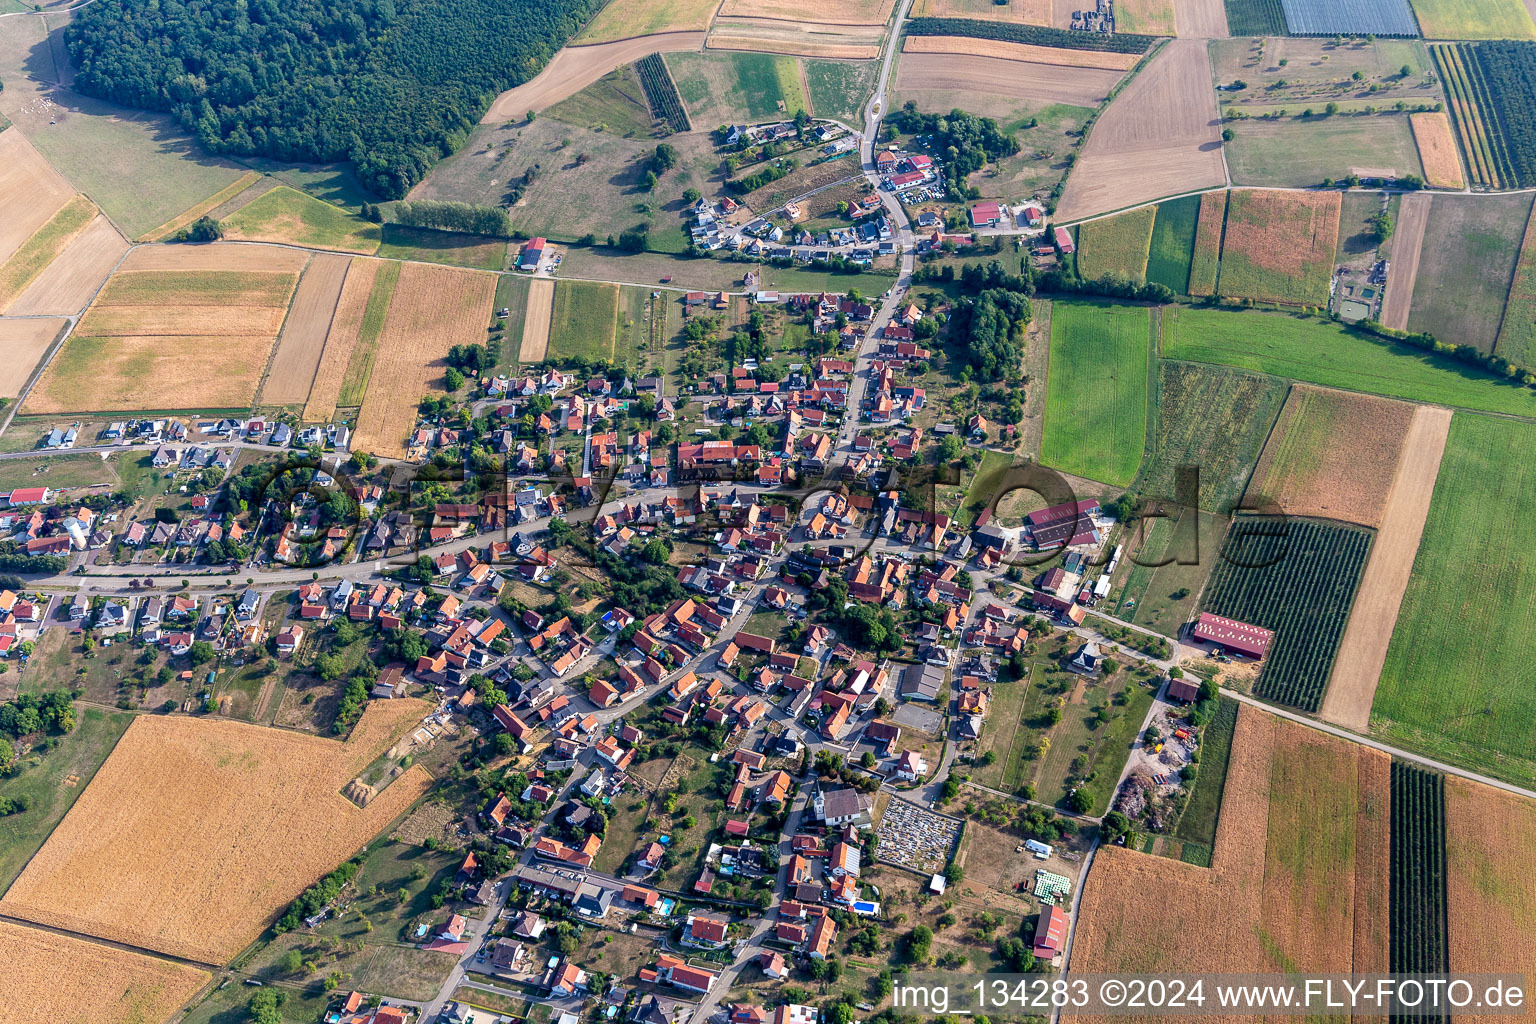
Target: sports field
<point>585,320</point>
<point>1321,352</point>
<point>1466,267</point>
<point>1474,19</point>
<point>1455,683</point>
<point>197,832</point>
<point>1173,243</point>
<point>1096,398</point>
<point>1213,418</point>
<point>1116,245</point>
<point>1279,246</point>
<point>293,217</point>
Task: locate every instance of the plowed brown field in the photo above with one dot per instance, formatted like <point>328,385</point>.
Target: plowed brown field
<point>341,339</point>
<point>1002,50</point>
<point>1412,219</point>
<point>1303,815</point>
<point>31,191</point>
<point>1437,150</point>
<point>991,76</point>
<point>196,832</point>
<point>70,281</point>
<point>23,342</point>
<point>433,309</point>
<point>303,335</point>
<point>1200,19</point>
<point>1160,136</point>
<point>1363,650</point>
<point>1490,861</point>
<point>50,977</point>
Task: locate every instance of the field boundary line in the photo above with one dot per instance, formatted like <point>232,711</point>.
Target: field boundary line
<point>22,922</point>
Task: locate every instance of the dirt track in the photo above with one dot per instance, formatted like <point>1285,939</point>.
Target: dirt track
<point>576,67</point>
<point>1054,56</point>
<point>1042,83</point>
<point>541,306</point>
<point>304,332</point>
<point>1363,651</point>
<point>1161,136</point>
<point>1412,219</point>
<point>70,281</point>
<point>1200,19</point>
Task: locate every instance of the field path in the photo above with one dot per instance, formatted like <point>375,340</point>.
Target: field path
<point>536,321</point>
<point>576,67</point>
<point>304,331</point>
<point>1412,218</point>
<point>1160,137</point>
<point>1363,651</point>
<point>1201,19</point>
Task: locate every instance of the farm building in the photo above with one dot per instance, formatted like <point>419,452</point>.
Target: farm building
<point>23,496</point>
<point>533,252</point>
<point>986,215</point>
<point>1182,689</point>
<point>1068,523</point>
<point>1050,933</point>
<point>1231,635</point>
<point>1064,241</point>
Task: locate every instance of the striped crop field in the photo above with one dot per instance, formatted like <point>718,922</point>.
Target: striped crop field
<point>1207,258</point>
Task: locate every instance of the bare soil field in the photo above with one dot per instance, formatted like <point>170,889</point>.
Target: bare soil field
<point>536,321</point>
<point>1437,150</point>
<point>991,76</point>
<point>1160,137</point>
<point>576,67</point>
<point>23,342</point>
<point>1412,218</point>
<point>341,339</point>
<point>70,281</point>
<point>847,12</point>
<point>1003,50</point>
<point>47,976</point>
<point>1308,470</point>
<point>1363,650</point>
<point>1057,13</point>
<point>1303,817</point>
<point>433,309</point>
<point>31,191</point>
<point>304,331</point>
<point>1200,19</point>
<point>195,833</point>
<point>797,39</point>
<point>215,256</point>
<point>1490,860</point>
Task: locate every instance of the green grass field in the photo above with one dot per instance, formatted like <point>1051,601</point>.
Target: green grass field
<point>57,471</point>
<point>614,103</point>
<point>721,88</point>
<point>360,365</point>
<point>584,321</point>
<point>1173,243</point>
<point>297,218</point>
<point>512,296</point>
<point>34,255</point>
<point>1162,598</point>
<point>1299,152</point>
<point>1474,19</point>
<point>451,247</point>
<point>1198,822</point>
<point>1215,419</point>
<point>1116,245</point>
<point>1321,352</point>
<point>1096,395</point>
<point>839,89</point>
<point>1456,681</point>
<point>1517,328</point>
<point>1471,245</point>
<point>50,782</point>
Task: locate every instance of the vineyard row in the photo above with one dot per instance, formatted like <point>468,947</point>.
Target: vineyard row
<point>661,93</point>
<point>1418,923</point>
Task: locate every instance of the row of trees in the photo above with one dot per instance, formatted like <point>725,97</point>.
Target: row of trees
<point>469,218</point>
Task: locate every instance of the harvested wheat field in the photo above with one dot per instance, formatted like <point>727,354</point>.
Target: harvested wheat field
<point>1490,861</point>
<point>1200,19</point>
<point>1160,137</point>
<point>34,256</point>
<point>71,280</point>
<point>216,256</point>
<point>433,309</point>
<point>847,12</point>
<point>50,977</point>
<point>134,320</point>
<point>1038,83</point>
<point>31,191</point>
<point>628,19</point>
<point>1280,246</point>
<point>1298,874</point>
<point>797,39</point>
<point>1437,150</point>
<point>341,339</point>
<point>1363,650</point>
<point>1002,50</point>
<point>1030,12</point>
<point>1308,469</point>
<point>536,321</point>
<point>197,832</point>
<point>23,342</point>
<point>1407,243</point>
<point>576,67</point>
<point>304,331</point>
